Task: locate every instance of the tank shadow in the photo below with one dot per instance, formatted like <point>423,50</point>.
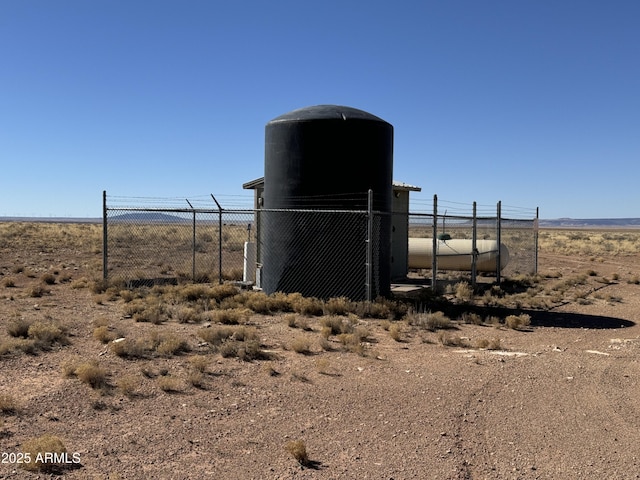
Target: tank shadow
<point>540,318</point>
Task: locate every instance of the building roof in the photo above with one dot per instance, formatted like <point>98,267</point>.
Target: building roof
<point>259,182</point>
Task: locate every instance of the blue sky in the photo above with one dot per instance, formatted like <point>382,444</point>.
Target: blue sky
<point>534,103</point>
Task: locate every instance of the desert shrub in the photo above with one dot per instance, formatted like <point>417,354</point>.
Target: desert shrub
<point>395,332</point>
<point>128,385</point>
<point>234,316</point>
<point>129,348</point>
<point>309,306</point>
<point>155,313</point>
<point>518,322</point>
<point>92,374</point>
<point>352,342</point>
<point>18,327</point>
<point>429,320</point>
<point>215,336</point>
<point>220,292</point>
<point>492,344</point>
<point>199,363</point>
<point>290,320</point>
<point>8,404</point>
<point>36,448</point>
<point>338,306</point>
<point>9,282</point>
<point>37,291</point>
<point>104,334</point>
<point>46,334</point>
<point>169,384</point>
<point>184,314</point>
<point>193,292</point>
<point>463,291</point>
<point>196,379</point>
<point>171,345</point>
<point>472,318</point>
<point>451,340</point>
<point>635,280</point>
<point>298,450</point>
<point>372,310</point>
<point>336,325</point>
<point>48,278</point>
<point>301,345</point>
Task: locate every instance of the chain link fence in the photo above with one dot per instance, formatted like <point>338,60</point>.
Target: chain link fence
<point>318,253</point>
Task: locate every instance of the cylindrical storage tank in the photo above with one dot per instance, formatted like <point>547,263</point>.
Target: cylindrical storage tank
<point>326,158</point>
<point>456,254</point>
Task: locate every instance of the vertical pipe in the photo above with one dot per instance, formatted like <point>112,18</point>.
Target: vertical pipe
<point>434,259</point>
<point>369,266</point>
<point>499,233</point>
<point>474,249</point>
<point>104,235</point>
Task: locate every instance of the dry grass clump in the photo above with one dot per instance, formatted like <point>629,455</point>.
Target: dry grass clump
<point>9,283</point>
<point>518,322</point>
<point>309,306</point>
<point>8,404</point>
<point>186,314</point>
<point>169,384</point>
<point>199,363</point>
<point>47,334</point>
<point>301,345</point>
<point>463,292</point>
<point>129,348</point>
<point>92,374</point>
<point>334,325</point>
<point>471,318</point>
<point>168,345</point>
<point>48,278</point>
<point>489,344</point>
<point>241,342</point>
<point>339,306</point>
<point>452,340</point>
<point>429,320</point>
<point>298,450</point>
<point>44,453</point>
<point>37,291</point>
<point>395,332</point>
<point>18,327</point>
<point>104,334</point>
<point>232,316</point>
<point>128,385</point>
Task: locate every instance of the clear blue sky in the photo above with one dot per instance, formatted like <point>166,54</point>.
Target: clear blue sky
<point>535,103</point>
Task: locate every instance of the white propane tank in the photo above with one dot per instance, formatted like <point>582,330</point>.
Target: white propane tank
<point>456,254</point>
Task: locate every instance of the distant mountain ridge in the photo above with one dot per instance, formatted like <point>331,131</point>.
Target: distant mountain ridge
<point>591,222</point>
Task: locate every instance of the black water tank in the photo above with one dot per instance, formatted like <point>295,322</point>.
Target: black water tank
<point>326,157</point>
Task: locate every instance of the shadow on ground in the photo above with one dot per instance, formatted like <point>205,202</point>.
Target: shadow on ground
<point>541,318</point>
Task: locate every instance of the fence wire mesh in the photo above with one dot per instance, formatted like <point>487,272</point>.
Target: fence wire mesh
<point>320,253</point>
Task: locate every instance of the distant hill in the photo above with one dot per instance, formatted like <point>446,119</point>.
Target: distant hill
<point>591,222</point>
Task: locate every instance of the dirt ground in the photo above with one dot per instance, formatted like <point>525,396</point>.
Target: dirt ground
<point>559,401</point>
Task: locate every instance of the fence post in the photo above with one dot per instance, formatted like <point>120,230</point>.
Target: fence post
<point>499,234</point>
<point>219,240</point>
<point>104,235</point>
<point>474,248</point>
<point>434,256</point>
<point>193,244</point>
<point>535,240</point>
<point>369,266</point>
